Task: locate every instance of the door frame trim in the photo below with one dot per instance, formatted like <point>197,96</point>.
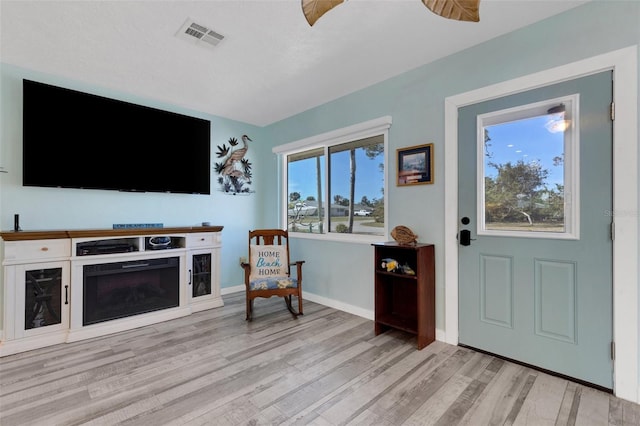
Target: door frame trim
<point>624,64</point>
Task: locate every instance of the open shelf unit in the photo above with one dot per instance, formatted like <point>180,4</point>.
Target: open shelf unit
<point>406,301</point>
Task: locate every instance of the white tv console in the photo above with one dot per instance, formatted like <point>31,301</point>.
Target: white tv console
<point>45,287</point>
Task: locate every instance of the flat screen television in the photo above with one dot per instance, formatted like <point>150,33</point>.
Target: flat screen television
<point>73,139</point>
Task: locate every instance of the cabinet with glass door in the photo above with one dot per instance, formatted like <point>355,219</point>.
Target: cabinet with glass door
<point>204,277</point>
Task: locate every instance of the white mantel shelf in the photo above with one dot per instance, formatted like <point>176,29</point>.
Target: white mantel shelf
<point>92,233</point>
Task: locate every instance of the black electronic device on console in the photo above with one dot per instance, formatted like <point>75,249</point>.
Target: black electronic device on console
<point>103,247</point>
<point>159,242</point>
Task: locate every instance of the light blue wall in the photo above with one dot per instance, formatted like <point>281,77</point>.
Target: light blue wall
<point>59,208</point>
<point>339,271</point>
<point>415,100</point>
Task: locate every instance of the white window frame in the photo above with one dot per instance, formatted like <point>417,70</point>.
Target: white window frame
<point>375,127</point>
<point>571,165</point>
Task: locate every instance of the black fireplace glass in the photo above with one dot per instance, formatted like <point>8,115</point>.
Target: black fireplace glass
<point>43,297</point>
<point>123,289</point>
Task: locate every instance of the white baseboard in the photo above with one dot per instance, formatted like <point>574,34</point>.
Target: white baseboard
<point>230,290</point>
<point>24,344</point>
<point>345,307</point>
<point>331,303</point>
<point>341,306</point>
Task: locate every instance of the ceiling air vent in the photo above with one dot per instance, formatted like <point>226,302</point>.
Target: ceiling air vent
<point>199,34</point>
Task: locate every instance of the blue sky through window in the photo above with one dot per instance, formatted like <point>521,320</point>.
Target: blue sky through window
<point>527,140</point>
<point>369,176</point>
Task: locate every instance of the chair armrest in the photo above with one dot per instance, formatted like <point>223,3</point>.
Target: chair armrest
<point>298,265</point>
<point>247,273</point>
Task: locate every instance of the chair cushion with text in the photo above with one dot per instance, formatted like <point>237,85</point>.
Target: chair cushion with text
<point>269,269</point>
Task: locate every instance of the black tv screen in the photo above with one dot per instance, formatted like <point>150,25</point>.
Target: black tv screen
<point>79,140</point>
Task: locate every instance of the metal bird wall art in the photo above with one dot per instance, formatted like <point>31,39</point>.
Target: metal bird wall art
<point>234,169</point>
<point>459,10</point>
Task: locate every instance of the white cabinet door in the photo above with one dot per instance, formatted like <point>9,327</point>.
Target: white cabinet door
<point>203,278</point>
<point>42,298</point>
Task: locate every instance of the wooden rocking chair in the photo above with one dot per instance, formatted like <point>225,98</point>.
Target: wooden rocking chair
<point>268,272</point>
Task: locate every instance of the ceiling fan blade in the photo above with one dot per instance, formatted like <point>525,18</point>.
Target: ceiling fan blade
<point>460,10</point>
<point>314,9</point>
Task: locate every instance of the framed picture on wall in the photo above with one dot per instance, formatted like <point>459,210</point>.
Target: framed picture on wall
<point>415,165</point>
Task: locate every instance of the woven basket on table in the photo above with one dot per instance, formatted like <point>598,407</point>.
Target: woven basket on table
<point>403,235</point>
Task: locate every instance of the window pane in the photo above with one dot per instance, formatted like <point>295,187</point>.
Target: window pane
<point>356,187</point>
<point>524,174</point>
<point>305,191</point>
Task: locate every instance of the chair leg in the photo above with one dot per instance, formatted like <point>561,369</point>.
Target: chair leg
<point>249,310</point>
<point>300,304</point>
<point>287,300</point>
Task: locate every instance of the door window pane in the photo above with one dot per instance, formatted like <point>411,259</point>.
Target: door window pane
<point>527,159</point>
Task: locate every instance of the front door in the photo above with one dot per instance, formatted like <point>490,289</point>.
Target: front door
<point>535,214</point>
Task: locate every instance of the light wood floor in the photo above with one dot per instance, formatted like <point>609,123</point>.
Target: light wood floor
<point>325,368</point>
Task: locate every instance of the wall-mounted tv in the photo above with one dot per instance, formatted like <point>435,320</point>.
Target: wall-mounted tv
<point>73,139</point>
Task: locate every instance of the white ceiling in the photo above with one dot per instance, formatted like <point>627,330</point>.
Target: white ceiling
<point>271,63</point>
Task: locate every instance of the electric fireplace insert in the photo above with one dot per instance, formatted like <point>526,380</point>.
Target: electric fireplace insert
<point>123,289</point>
